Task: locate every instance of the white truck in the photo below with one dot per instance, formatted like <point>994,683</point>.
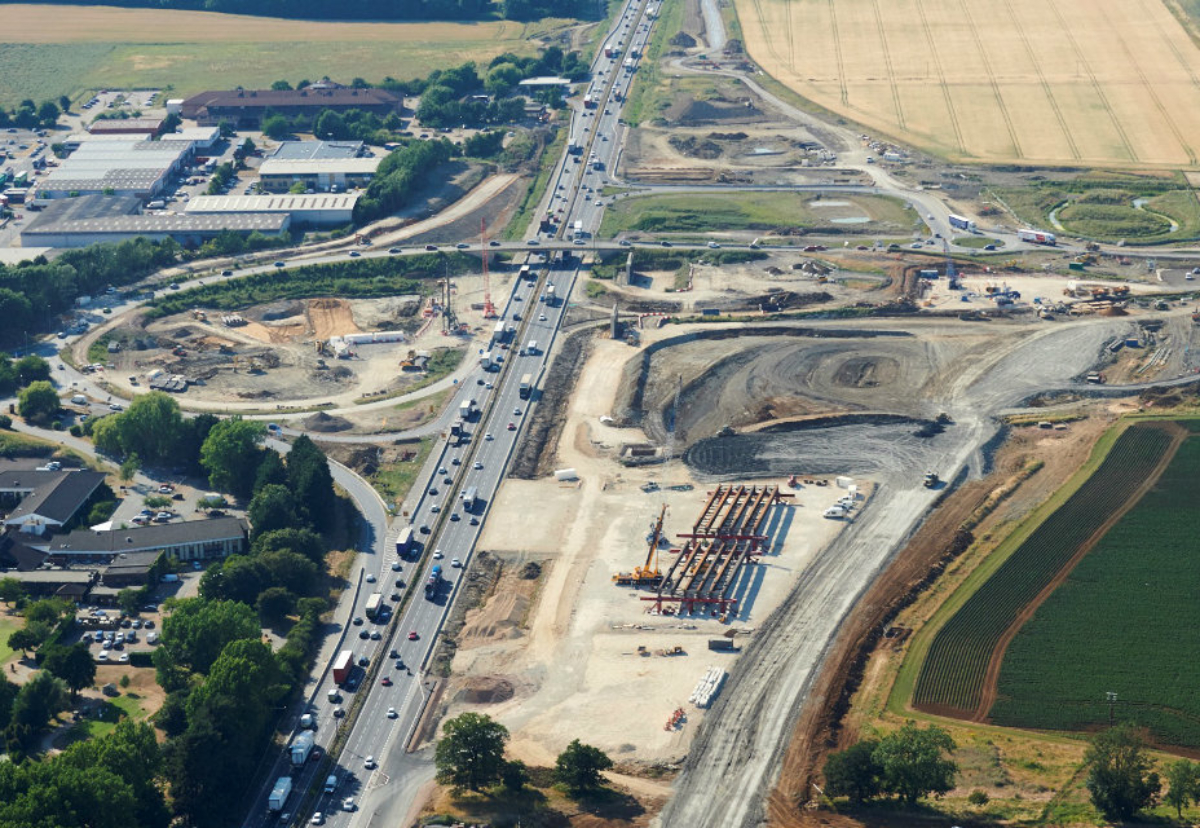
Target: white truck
<point>526,386</point>
<point>279,794</point>
<point>301,748</point>
<point>485,361</point>
<point>1037,237</point>
<point>465,409</point>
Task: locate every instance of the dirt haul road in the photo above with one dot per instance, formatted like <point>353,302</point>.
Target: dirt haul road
<point>737,753</point>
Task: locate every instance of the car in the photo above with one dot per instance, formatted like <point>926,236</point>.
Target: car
<point>516,412</point>
<point>478,465</point>
<point>226,272</point>
<point>375,636</point>
<point>363,661</point>
<point>396,566</point>
<point>488,386</point>
<point>437,554</point>
<point>386,681</point>
<point>285,817</point>
<point>457,461</point>
<point>454,517</point>
<point>107,645</point>
<point>395,596</point>
<point>915,245</point>
<point>433,490</point>
<point>137,623</point>
<point>318,818</point>
<point>488,436</point>
<point>358,622</point>
<point>163,516</point>
<point>369,763</point>
<point>456,563</point>
<point>412,636</point>
<point>348,802</point>
<point>431,247</point>
<point>493,243</point>
<point>174,286</point>
<point>102,655</point>
<point>579,242</point>
<point>713,245</point>
<point>533,242</point>
<point>625,242</point>
<point>664,243</point>
<point>399,585</point>
<point>599,203</point>
<point>364,634</point>
<point>370,578</point>
<point>512,426</point>
<point>435,508</point>
<point>989,247</point>
<point>280,264</point>
<point>150,621</point>
<point>338,712</point>
<point>424,529</point>
<point>146,513</point>
<point>442,470</point>
<point>474,521</point>
<point>124,659</point>
<point>393,250</point>
<point>479,381</point>
<point>354,254</point>
<point>542,317</point>
<point>462,245</point>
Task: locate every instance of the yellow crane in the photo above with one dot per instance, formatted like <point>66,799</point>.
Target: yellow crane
<point>649,574</point>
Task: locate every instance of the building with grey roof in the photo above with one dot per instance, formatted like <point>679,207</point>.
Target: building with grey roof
<point>317,210</point>
<point>247,107</point>
<point>192,540</point>
<point>131,167</point>
<point>317,150</point>
<point>45,500</point>
<point>77,222</point>
<point>317,174</point>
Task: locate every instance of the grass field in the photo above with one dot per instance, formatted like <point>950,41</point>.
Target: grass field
<point>760,211</point>
<point>1125,621</point>
<point>1099,82</point>
<point>953,676</point>
<point>9,624</point>
<point>59,50</point>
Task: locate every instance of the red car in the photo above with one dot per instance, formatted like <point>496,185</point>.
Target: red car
<point>387,681</point>
<point>512,426</point>
<point>412,636</point>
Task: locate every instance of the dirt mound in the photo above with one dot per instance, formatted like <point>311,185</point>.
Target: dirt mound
<point>485,690</point>
<point>688,110</point>
<point>281,310</point>
<point>693,148</point>
<point>1114,312</point>
<point>683,40</point>
<point>323,422</point>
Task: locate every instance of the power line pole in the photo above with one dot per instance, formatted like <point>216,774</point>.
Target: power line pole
<point>1112,701</point>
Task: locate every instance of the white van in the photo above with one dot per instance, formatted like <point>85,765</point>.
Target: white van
<point>79,399</point>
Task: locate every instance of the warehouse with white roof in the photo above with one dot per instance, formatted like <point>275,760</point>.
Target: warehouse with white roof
<point>317,174</point>
<point>131,167</point>
<point>317,210</point>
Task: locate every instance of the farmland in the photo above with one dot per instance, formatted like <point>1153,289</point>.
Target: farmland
<point>1125,621</point>
<point>760,211</point>
<point>954,676</point>
<point>1073,82</point>
<point>67,49</point>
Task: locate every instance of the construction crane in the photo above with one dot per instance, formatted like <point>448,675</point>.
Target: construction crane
<point>951,273</point>
<point>489,310</point>
<point>649,574</point>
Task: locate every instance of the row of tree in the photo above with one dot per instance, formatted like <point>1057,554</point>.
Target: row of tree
<point>374,9</point>
<point>30,115</point>
<point>398,175</point>
<point>17,373</point>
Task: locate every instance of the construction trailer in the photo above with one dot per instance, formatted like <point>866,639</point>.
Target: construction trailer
<point>724,540</point>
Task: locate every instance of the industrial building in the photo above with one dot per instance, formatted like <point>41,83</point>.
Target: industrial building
<point>44,499</point>
<point>192,540</point>
<point>204,137</point>
<point>317,210</point>
<point>316,150</point>
<point>126,126</point>
<point>246,108</point>
<point>78,222</point>
<point>130,167</point>
<point>318,174</point>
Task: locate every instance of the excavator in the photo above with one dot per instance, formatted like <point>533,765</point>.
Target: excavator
<point>649,574</point>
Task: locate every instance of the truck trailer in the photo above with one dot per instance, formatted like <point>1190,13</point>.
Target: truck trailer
<point>279,794</point>
<point>404,542</point>
<point>1037,237</point>
<point>301,748</point>
<point>963,223</point>
<point>342,665</point>
<point>469,498</point>
<point>526,386</point>
<point>373,604</point>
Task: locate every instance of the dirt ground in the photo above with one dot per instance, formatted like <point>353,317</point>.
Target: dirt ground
<point>546,653</point>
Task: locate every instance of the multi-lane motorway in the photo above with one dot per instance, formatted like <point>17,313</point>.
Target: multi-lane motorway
<point>393,696</point>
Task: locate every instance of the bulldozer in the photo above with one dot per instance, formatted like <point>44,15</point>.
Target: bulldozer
<point>648,574</point>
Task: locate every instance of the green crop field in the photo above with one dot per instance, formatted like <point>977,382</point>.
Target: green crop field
<point>953,675</point>
<point>761,211</point>
<point>1126,620</point>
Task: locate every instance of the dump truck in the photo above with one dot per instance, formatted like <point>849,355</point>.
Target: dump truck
<point>342,666</point>
<point>279,794</point>
<point>301,748</point>
<point>526,386</point>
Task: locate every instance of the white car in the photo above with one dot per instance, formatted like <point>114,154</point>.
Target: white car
<point>456,563</point>
<point>395,566</point>
<point>542,318</point>
<point>370,579</point>
<point>348,804</point>
<point>488,436</point>
<point>435,508</point>
<point>392,713</point>
<point>369,763</point>
<point>318,818</point>
<point>437,554</point>
<point>713,245</point>
<point>478,465</point>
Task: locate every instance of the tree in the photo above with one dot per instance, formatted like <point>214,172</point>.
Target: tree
<point>64,103</point>
<point>270,471</point>
<point>238,578</point>
<point>515,776</point>
<point>301,541</point>
<point>579,766</point>
<point>230,454</point>
<point>24,640</point>
<point>74,665</point>
<point>226,128</point>
<point>130,466</point>
<point>281,86</point>
<point>11,591</point>
<point>153,428</point>
<point>276,127</point>
<point>312,482</point>
<point>502,79</point>
<point>32,368</point>
<point>129,600</point>
<point>272,508</point>
<point>274,604</point>
<point>853,772</point>
<point>1183,781</point>
<point>1119,776</point>
<point>911,763</point>
<point>47,114</point>
<point>38,402</point>
<point>330,126</point>
<point>290,570</point>
<point>471,752</point>
<point>198,630</point>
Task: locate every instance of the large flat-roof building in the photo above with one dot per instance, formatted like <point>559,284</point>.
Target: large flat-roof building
<point>131,167</point>
<point>316,150</point>
<point>247,107</point>
<point>78,222</point>
<point>193,540</point>
<point>317,210</point>
<point>126,126</point>
<point>318,175</point>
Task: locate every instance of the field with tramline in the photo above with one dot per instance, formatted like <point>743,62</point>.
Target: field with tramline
<point>1075,82</point>
<point>1126,620</point>
<point>954,676</point>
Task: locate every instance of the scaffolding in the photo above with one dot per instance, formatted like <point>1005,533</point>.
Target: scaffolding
<point>723,541</point>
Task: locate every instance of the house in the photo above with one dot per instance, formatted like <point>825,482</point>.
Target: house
<point>46,500</point>
<point>193,540</point>
<point>246,108</point>
<point>130,569</point>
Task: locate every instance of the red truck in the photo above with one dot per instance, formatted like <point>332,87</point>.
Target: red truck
<point>342,666</point>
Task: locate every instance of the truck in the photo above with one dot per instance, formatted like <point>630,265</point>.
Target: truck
<point>550,295</point>
<point>470,496</point>
<point>1037,237</point>
<point>597,164</point>
<point>404,540</point>
<point>609,51</point>
<point>532,348</point>
<point>629,64</point>
<point>465,409</point>
<point>301,748</point>
<point>526,386</point>
<point>373,604</point>
<point>434,583</point>
<point>342,665</point>
<point>963,223</point>
<point>279,794</point>
<point>485,361</point>
<point>456,428</point>
<point>589,102</point>
<point>578,228</point>
<point>499,334</point>
<point>526,272</point>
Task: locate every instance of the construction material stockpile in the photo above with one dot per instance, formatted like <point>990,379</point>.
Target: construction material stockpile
<point>708,687</point>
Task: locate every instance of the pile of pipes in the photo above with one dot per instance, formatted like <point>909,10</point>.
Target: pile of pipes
<point>708,687</point>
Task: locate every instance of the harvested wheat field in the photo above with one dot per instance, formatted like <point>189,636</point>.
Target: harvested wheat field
<point>1100,82</point>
